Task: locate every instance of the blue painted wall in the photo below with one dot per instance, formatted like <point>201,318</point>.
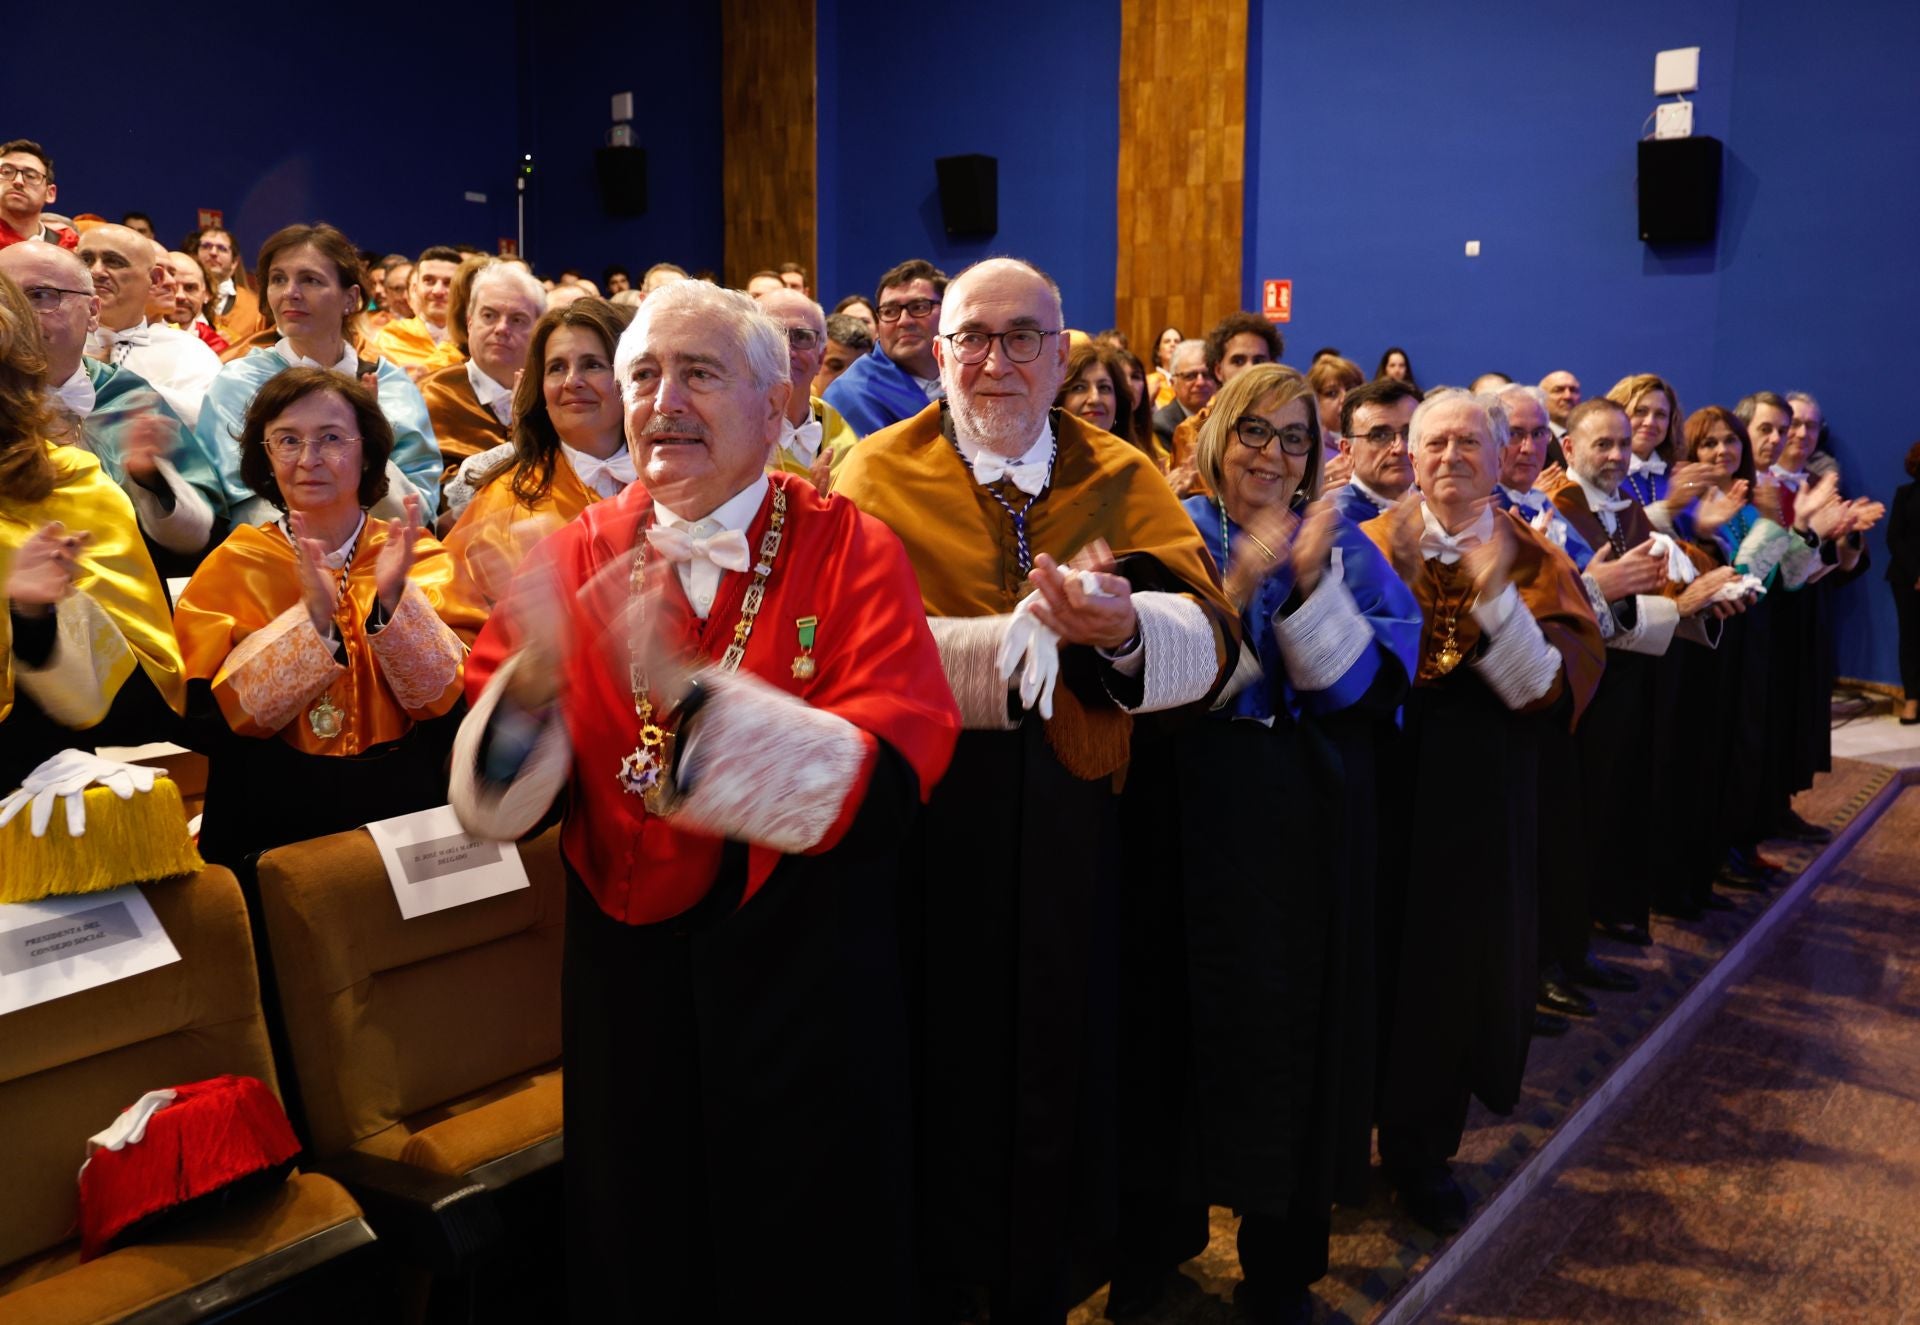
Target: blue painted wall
<point>1039,94</point>
<point>1382,149</point>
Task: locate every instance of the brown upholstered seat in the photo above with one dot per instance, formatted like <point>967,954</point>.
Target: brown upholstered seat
<point>67,1067</point>
<point>433,1041</point>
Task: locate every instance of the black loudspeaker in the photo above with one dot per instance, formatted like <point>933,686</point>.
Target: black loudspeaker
<point>969,195</point>
<point>623,180</point>
<point>1679,190</point>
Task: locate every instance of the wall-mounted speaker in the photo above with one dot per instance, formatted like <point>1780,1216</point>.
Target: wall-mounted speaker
<point>623,180</point>
<point>1679,190</point>
<point>969,195</point>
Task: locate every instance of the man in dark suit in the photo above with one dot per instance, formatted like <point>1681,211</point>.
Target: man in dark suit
<point>1193,386</point>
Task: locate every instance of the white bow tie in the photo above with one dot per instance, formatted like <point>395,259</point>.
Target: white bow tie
<point>1652,464</point>
<point>989,468</point>
<point>1532,499</point>
<point>1792,479</point>
<point>804,441</point>
<point>608,477</point>
<point>726,549</point>
<point>1448,548</point>
<point>1603,503</point>
<point>118,343</point>
<point>76,393</point>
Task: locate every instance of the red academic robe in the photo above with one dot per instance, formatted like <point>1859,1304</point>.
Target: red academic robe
<point>875,664</point>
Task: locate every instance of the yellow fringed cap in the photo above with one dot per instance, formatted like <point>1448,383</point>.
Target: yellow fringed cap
<point>127,841</point>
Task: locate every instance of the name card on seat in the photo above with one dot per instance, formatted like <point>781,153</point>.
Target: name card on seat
<point>433,863</point>
<point>62,945</point>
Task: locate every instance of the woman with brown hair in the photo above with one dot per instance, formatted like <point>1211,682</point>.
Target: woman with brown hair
<point>1095,391</point>
<point>73,568</point>
<point>315,644</point>
<point>310,279</point>
<point>569,449</point>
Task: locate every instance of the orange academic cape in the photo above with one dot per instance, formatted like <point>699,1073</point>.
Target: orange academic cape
<point>1548,586</point>
<point>243,626</point>
<point>461,423</point>
<point>498,531</point>
<point>875,665</point>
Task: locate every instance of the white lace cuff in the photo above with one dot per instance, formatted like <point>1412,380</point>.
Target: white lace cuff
<point>969,655</point>
<point>506,811</point>
<point>1326,636</point>
<point>1517,664</point>
<point>278,670</point>
<point>1602,612</point>
<point>418,653</point>
<point>1181,661</point>
<point>765,767</point>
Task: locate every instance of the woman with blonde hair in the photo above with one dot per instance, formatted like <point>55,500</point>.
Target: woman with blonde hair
<point>1274,949</point>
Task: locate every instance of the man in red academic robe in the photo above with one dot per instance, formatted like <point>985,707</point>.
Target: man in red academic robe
<point>734,682</point>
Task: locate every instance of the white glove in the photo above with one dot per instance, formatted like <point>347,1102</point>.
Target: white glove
<point>1739,587</point>
<point>69,774</point>
<point>1680,569</point>
<point>1039,646</point>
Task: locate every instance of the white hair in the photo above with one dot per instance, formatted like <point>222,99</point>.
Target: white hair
<point>1487,406</point>
<point>1533,393</point>
<point>762,340</point>
<point>498,272</point>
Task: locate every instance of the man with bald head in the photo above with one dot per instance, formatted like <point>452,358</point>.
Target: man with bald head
<point>1067,590</point>
<point>471,403</point>
<point>125,267</point>
<point>111,411</point>
<point>814,439</point>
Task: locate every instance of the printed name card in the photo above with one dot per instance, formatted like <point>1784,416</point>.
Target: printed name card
<point>434,863</point>
<point>62,945</point>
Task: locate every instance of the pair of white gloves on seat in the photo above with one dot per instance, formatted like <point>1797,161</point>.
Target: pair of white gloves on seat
<point>67,776</point>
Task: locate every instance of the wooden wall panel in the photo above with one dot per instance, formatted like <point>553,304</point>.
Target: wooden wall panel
<point>1183,134</point>
<point>768,100</point>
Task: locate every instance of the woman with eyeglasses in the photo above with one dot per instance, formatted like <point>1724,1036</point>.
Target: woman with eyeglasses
<point>311,280</point>
<point>569,450</point>
<point>323,666</point>
<point>1270,925</point>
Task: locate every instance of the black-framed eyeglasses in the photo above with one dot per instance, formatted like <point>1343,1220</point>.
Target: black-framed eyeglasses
<point>1021,345</point>
<point>9,171</point>
<point>912,308</point>
<point>44,297</point>
<point>802,338</point>
<point>1257,434</point>
<point>1385,435</point>
<point>1542,434</point>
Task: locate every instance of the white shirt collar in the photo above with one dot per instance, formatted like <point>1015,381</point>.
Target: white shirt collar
<point>931,386</point>
<point>608,477</point>
<point>349,358</point>
<point>1436,542</point>
<point>736,512</point>
<point>495,397</point>
<point>1359,485</point>
<point>1034,454</point>
<point>1602,502</point>
<point>438,333</point>
<point>76,393</point>
<point>1795,479</point>
<point>226,287</point>
<point>337,558</point>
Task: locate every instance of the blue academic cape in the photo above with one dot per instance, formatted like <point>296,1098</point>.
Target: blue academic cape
<point>1353,504</point>
<point>1383,599</point>
<point>120,396</point>
<point>1572,544</point>
<point>415,449</point>
<point>875,393</point>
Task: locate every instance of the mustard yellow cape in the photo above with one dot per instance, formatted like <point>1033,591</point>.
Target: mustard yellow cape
<point>496,532</point>
<point>408,344</point>
<point>462,425</point>
<point>115,572</point>
<point>835,433</point>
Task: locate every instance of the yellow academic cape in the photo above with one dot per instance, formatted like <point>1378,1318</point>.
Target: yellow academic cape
<point>116,574</point>
<point>243,626</point>
<point>835,432</point>
<point>463,426</point>
<point>409,344</point>
<point>496,532</point>
<point>243,319</point>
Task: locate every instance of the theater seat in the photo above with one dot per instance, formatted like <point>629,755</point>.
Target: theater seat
<point>430,1043</point>
<point>67,1067</point>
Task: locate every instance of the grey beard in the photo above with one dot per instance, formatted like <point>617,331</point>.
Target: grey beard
<point>1007,429</point>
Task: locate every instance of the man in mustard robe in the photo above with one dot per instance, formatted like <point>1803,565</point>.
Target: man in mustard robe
<point>1048,549</point>
<point>815,440</point>
<point>420,344</point>
<point>471,404</point>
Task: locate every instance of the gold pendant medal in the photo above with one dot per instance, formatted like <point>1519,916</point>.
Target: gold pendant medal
<point>803,667</point>
<point>324,718</point>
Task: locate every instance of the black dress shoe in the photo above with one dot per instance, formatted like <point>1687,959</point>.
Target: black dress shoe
<point>1268,1306</point>
<point>1676,908</point>
<point>1437,1204</point>
<point>1624,931</point>
<point>1547,1024</point>
<point>1715,902</point>
<point>1741,880</point>
<point>1599,975</point>
<point>1792,827</point>
<point>1565,999</point>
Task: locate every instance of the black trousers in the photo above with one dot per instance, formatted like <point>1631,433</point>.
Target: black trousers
<point>1906,607</point>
